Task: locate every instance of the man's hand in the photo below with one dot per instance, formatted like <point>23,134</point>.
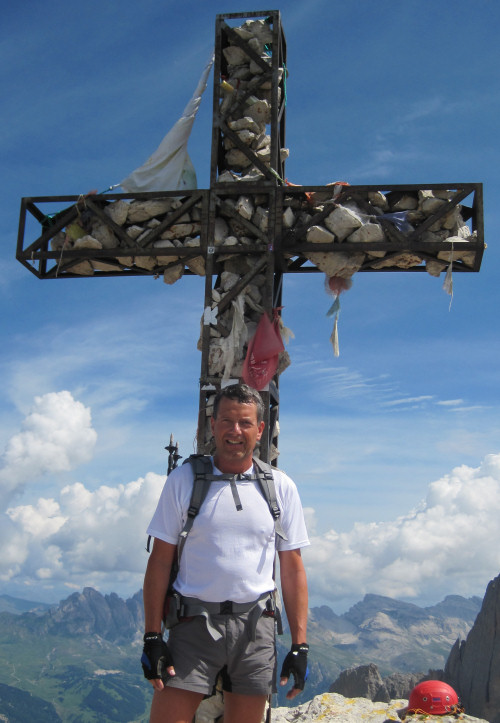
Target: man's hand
<point>295,664</point>
<point>156,660</point>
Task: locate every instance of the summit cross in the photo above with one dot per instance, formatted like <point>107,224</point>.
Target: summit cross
<point>251,227</point>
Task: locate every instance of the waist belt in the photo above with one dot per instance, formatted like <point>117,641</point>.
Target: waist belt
<point>191,606</point>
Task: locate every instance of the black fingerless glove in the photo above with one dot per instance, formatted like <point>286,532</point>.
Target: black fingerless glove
<point>156,657</point>
<point>295,664</point>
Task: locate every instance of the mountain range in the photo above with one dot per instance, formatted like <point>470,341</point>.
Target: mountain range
<point>78,661</point>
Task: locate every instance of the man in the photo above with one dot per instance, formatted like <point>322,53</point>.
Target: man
<point>228,556</point>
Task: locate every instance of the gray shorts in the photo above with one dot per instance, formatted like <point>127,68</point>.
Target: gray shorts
<point>198,658</point>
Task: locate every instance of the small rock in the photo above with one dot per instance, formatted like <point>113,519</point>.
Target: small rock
<point>319,235</point>
<point>244,206</point>
<point>144,210</point>
<point>235,55</point>
<point>366,233</point>
<point>170,276</point>
<point>337,264</point>
<point>117,211</point>
<point>342,221</point>
<point>87,242</point>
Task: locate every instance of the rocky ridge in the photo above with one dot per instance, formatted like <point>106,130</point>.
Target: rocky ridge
<point>332,706</point>
<point>473,666</point>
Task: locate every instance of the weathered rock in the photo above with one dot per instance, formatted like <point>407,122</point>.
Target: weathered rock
<point>428,202</point>
<point>196,264</point>
<point>246,123</point>
<point>221,230</point>
<point>361,682</point>
<point>288,217</point>
<point>237,159</point>
<point>181,230</point>
<point>366,233</point>
<point>104,234</point>
<point>337,264</point>
<point>117,211</point>
<point>164,260</point>
<point>261,218</point>
<point>126,261</point>
<point>458,253</point>
<point>405,203</point>
<point>378,199</point>
<point>173,274</point>
<point>401,261</point>
<point>235,55</point>
<point>104,266</point>
<point>342,222</point>
<point>144,210</point>
<point>260,111</point>
<point>87,242</point>
<point>134,231</point>
<point>244,206</point>
<point>319,235</point>
<point>473,667</point>
<point>434,268</point>
<point>83,268</point>
<point>334,707</point>
<point>145,262</point>
<point>397,686</point>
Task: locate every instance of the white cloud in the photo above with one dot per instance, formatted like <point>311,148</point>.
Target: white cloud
<point>450,544</point>
<point>408,400</point>
<point>86,537</point>
<point>79,536</point>
<point>56,436</point>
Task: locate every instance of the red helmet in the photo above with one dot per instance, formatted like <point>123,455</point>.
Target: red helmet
<point>433,696</point>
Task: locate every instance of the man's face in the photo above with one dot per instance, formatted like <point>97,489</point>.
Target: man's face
<point>236,432</point>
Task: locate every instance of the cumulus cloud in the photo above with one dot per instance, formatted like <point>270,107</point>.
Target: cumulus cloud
<point>85,537</point>
<point>450,544</point>
<point>56,436</point>
<point>81,536</point>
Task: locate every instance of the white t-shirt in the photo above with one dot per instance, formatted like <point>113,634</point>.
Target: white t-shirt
<point>229,554</point>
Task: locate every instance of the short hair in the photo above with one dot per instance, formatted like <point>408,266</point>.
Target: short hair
<point>243,394</point>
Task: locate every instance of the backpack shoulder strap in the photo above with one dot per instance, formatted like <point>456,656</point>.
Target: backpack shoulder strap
<point>266,482</point>
<point>201,465</point>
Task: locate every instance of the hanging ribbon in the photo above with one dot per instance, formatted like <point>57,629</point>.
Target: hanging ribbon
<point>448,279</point>
<point>335,285</point>
<point>334,311</point>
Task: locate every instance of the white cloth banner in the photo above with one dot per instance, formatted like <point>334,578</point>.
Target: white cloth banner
<point>170,168</point>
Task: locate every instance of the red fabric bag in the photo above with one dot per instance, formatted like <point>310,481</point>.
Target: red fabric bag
<point>263,353</point>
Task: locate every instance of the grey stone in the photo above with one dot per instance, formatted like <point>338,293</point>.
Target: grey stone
<point>473,666</point>
<point>366,233</point>
<point>342,222</point>
<point>319,235</point>
<point>361,682</point>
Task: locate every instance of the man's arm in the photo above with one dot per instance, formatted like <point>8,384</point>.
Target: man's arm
<point>295,598</point>
<point>155,589</point>
<point>294,591</point>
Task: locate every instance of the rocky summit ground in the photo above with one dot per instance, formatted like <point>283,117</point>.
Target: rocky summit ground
<point>334,707</point>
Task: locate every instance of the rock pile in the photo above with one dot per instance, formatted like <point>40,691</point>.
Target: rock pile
<point>358,224</point>
<point>332,706</point>
<point>366,219</point>
<point>246,103</point>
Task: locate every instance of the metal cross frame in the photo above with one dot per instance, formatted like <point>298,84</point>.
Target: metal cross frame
<point>251,227</point>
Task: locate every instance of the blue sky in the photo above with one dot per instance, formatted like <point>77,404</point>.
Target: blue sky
<point>395,444</point>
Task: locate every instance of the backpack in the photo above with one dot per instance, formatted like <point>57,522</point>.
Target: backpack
<point>203,476</point>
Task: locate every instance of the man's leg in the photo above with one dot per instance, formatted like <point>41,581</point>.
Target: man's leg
<point>243,708</point>
<point>173,705</point>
